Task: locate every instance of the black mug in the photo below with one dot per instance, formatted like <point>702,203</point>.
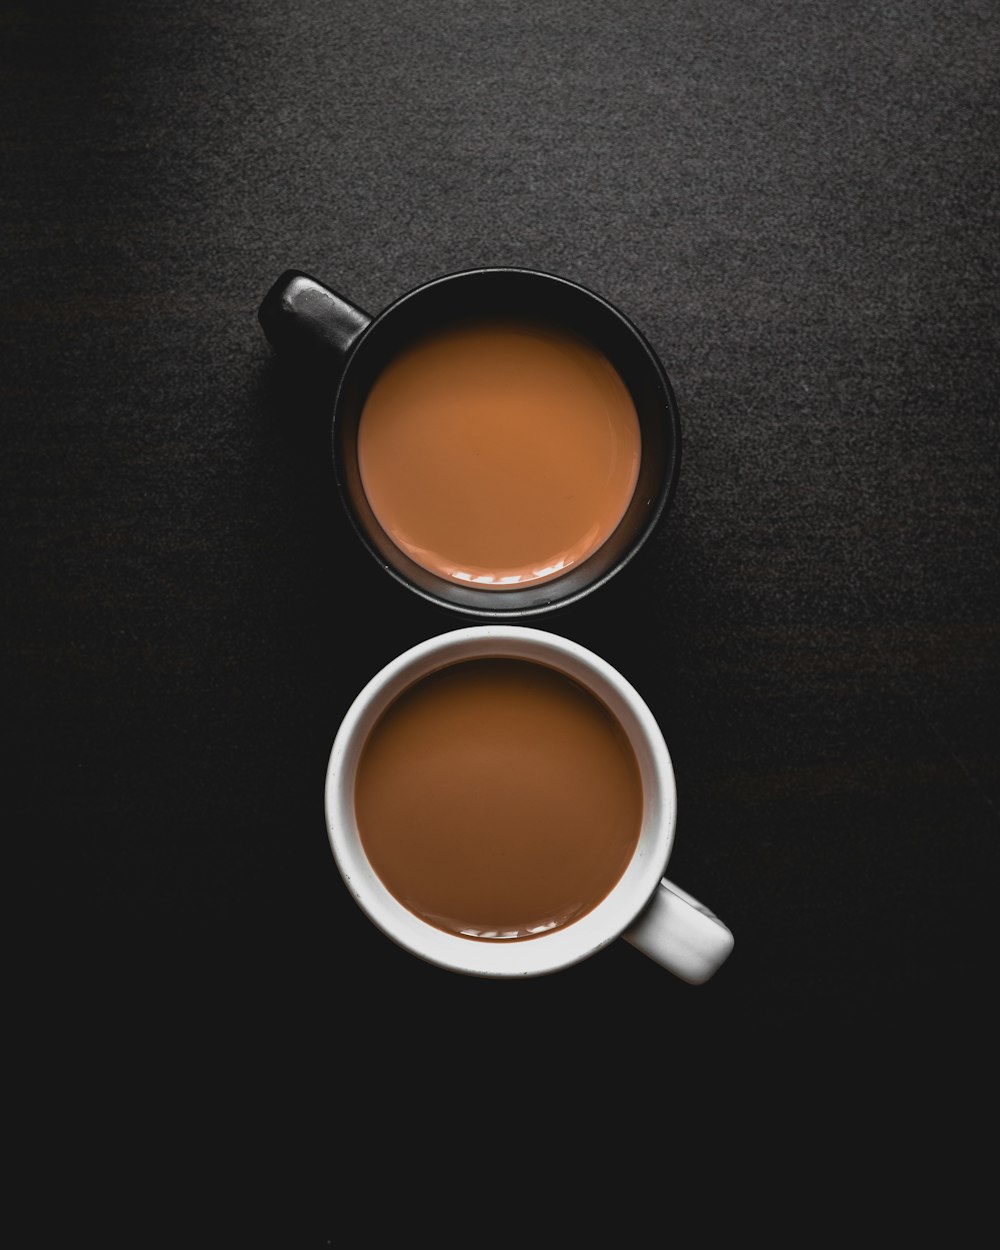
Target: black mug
<point>305,321</point>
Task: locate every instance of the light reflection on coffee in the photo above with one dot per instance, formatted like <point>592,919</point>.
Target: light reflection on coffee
<point>499,454</point>
<point>498,799</point>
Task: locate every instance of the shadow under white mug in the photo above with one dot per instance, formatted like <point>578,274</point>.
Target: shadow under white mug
<point>653,914</point>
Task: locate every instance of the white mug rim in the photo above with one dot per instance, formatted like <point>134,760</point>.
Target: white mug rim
<point>561,947</point>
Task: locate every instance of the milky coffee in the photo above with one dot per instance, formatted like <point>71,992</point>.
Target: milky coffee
<point>499,454</point>
<point>498,799</point>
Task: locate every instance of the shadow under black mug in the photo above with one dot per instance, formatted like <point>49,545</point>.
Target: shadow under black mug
<point>308,323</point>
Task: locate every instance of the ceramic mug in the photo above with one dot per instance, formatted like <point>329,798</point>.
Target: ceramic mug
<point>306,321</point>
<point>651,913</point>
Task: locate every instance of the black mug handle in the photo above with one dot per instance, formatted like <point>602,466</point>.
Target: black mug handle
<point>305,321</point>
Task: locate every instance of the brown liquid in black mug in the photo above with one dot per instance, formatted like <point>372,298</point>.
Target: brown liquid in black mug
<point>498,799</point>
<point>499,454</point>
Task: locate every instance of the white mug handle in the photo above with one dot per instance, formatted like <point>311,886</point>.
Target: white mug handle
<point>681,934</point>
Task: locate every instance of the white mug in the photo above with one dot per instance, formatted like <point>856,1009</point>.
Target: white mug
<point>650,912</point>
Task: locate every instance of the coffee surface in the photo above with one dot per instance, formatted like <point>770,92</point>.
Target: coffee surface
<point>498,799</point>
<point>499,454</point>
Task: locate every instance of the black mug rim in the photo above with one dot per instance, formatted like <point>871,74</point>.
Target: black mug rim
<point>551,601</point>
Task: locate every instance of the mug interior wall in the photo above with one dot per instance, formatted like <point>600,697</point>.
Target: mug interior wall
<point>523,294</point>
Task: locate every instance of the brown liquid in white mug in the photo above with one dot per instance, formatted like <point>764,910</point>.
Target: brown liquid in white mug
<point>499,454</point>
<point>498,799</point>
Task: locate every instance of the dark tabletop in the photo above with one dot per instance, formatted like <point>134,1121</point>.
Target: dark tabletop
<point>797,203</point>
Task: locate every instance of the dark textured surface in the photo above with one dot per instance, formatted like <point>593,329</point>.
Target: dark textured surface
<point>798,205</point>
